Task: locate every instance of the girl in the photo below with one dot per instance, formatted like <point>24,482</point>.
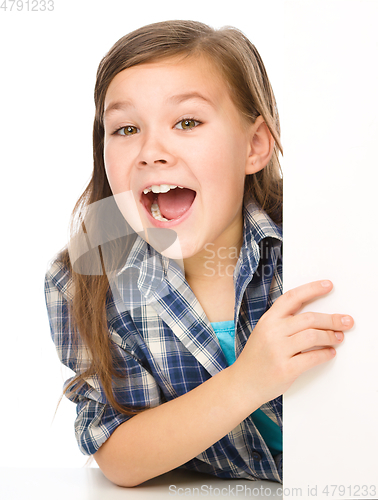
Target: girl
<point>167,301</point>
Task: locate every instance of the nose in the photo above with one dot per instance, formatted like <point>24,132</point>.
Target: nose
<point>154,152</point>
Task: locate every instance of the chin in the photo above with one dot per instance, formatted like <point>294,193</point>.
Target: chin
<point>179,251</point>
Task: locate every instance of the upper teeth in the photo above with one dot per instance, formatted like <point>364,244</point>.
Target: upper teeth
<point>163,188</point>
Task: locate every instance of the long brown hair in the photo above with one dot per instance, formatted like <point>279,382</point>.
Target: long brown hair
<point>245,76</point>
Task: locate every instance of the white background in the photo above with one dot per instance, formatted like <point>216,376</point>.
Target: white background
<point>321,59</point>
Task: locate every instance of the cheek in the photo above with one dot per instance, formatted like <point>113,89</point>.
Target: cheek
<point>118,177</point>
<point>115,170</point>
<point>224,159</point>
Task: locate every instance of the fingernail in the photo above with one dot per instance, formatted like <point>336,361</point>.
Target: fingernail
<point>346,320</point>
<point>326,283</point>
<point>339,336</point>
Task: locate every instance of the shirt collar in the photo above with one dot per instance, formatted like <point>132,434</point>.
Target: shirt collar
<point>140,277</point>
<point>258,226</point>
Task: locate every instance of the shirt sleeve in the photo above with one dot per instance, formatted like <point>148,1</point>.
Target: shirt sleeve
<point>96,419</point>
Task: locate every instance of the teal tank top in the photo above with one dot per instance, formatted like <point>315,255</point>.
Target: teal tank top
<point>270,431</point>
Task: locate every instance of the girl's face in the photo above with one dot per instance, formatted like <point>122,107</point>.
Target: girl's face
<point>173,123</point>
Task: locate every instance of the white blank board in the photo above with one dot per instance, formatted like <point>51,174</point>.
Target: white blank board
<point>330,130</point>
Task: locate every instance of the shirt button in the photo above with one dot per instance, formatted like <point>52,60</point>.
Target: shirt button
<point>256,456</point>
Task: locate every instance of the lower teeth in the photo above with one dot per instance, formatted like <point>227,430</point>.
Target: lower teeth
<point>155,211</point>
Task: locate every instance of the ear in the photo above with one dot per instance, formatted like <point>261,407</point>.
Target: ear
<point>261,146</point>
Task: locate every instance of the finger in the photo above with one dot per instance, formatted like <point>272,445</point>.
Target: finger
<point>307,360</point>
<point>308,339</point>
<point>292,300</point>
<point>319,321</point>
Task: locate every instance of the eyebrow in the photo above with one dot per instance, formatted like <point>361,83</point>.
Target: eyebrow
<point>114,106</point>
<point>179,98</point>
<point>175,99</point>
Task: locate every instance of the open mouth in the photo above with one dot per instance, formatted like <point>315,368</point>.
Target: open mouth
<point>166,202</point>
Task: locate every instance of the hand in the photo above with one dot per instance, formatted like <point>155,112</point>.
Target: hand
<point>273,356</point>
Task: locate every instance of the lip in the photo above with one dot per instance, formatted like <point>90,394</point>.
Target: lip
<point>159,183</point>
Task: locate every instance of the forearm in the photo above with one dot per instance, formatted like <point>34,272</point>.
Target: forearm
<point>163,438</point>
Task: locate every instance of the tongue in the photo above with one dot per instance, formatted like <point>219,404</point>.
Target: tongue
<point>175,203</point>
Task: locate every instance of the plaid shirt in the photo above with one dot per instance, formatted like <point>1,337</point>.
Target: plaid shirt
<point>167,346</point>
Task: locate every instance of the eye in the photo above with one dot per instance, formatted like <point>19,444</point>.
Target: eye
<point>129,130</point>
<point>187,124</point>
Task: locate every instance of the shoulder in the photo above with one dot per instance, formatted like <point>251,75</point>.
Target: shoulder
<point>58,280</point>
